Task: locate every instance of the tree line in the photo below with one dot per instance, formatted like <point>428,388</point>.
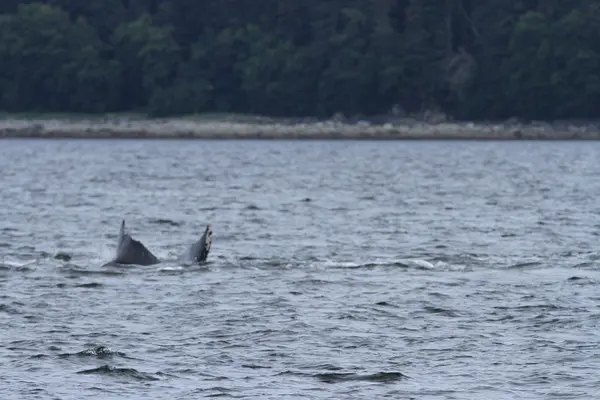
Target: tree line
<point>472,59</point>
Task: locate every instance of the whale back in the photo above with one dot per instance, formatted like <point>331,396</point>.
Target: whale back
<point>198,252</point>
<point>131,251</point>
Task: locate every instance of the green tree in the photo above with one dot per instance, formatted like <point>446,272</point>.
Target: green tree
<point>474,59</point>
<point>349,78</point>
<point>575,67</point>
<point>149,57</point>
<point>529,66</point>
<point>52,64</point>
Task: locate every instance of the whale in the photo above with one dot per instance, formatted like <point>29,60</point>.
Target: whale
<point>131,251</point>
<point>197,252</point>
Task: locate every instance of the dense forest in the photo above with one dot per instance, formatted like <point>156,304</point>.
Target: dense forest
<point>471,59</point>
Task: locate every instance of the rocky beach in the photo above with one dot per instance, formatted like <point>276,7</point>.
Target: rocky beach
<point>236,127</point>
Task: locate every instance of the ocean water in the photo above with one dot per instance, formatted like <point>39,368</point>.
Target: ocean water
<point>339,270</point>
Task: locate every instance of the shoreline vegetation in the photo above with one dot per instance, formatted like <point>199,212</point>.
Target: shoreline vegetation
<point>232,126</point>
<point>382,69</point>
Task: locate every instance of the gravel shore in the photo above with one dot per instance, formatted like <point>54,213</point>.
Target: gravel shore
<point>127,128</point>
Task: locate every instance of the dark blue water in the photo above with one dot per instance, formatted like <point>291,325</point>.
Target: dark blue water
<point>339,270</point>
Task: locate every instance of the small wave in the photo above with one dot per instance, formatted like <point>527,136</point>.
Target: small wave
<point>418,264</point>
<point>163,221</point>
<point>26,249</point>
<point>581,281</point>
<point>384,304</point>
<point>18,265</point>
<point>421,264</point>
<point>440,311</point>
<point>216,391</point>
<point>253,366</point>
<point>75,270</point>
<point>90,285</point>
<point>525,265</point>
<point>584,265</point>
<point>63,256</point>
<point>278,263</point>
<point>38,356</point>
<point>123,372</point>
<point>5,308</point>
<point>170,269</point>
<point>98,351</point>
<point>380,377</point>
<point>533,307</point>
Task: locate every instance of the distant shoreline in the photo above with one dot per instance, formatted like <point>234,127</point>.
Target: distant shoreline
<point>231,127</point>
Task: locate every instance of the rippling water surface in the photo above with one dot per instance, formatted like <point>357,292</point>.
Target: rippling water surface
<point>339,270</point>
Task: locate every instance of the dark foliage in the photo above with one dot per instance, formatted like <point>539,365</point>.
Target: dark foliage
<point>473,59</point>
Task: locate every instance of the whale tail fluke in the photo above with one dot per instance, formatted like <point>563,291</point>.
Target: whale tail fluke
<point>131,251</point>
<point>206,241</point>
<point>121,234</point>
<point>198,251</point>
